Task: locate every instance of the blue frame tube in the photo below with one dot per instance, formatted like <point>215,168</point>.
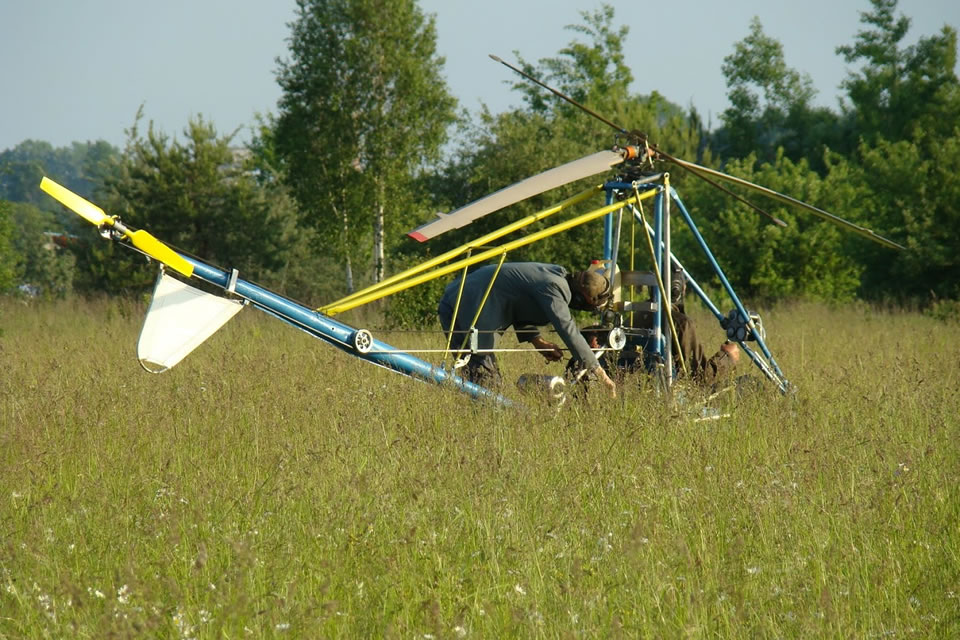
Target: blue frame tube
<point>339,334</point>
<point>658,256</point>
<point>733,296</point>
<point>757,360</point>
<point>608,231</point>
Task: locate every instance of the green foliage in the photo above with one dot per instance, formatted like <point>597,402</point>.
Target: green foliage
<point>770,106</point>
<point>9,258</point>
<point>198,195</point>
<point>76,167</point>
<point>893,152</point>
<point>915,195</point>
<point>945,311</point>
<point>806,259</point>
<point>901,92</point>
<point>47,263</point>
<point>364,110</point>
<point>416,308</point>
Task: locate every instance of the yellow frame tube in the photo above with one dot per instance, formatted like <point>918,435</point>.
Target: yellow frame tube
<point>480,257</point>
<point>479,242</point>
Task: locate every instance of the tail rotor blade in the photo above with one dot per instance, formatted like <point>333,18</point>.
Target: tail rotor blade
<point>141,239</point>
<point>147,243</point>
<point>535,185</point>
<point>770,193</point>
<point>84,208</point>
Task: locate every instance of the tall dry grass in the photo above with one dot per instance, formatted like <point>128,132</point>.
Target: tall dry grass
<point>270,486</point>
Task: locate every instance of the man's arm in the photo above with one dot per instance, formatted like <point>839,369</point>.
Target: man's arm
<point>556,308</point>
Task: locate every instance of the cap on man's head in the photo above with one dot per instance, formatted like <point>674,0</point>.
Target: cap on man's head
<point>594,287</point>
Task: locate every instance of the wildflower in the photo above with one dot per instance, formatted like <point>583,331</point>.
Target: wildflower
<point>520,590</point>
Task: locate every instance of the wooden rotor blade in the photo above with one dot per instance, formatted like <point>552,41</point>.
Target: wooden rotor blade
<point>846,224</point>
<point>551,179</point>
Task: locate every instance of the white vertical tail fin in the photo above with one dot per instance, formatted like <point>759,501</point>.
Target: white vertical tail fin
<point>178,321</point>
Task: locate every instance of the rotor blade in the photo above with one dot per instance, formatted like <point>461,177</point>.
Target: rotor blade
<point>686,167</point>
<point>846,224</point>
<point>534,185</point>
<point>145,241</point>
<point>558,94</point>
<point>86,209</point>
<point>141,239</point>
<point>639,136</point>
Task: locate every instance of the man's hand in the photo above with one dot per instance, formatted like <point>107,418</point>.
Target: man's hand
<point>605,379</point>
<point>731,350</point>
<point>547,349</point>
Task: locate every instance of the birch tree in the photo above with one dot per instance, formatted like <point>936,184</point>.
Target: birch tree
<point>364,109</point>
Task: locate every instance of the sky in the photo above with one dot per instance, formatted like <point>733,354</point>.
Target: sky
<point>79,70</point>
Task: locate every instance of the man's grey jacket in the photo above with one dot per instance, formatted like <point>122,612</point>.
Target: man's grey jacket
<point>525,295</point>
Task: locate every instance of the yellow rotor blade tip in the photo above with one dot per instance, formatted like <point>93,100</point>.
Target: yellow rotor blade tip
<point>84,208</point>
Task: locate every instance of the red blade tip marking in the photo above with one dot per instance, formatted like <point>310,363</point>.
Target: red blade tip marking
<point>416,235</point>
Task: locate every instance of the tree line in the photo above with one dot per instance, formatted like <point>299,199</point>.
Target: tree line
<point>367,142</point>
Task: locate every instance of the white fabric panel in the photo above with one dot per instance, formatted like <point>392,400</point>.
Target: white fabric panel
<point>179,319</point>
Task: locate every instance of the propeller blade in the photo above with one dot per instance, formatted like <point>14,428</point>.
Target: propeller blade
<point>846,224</point>
<point>147,243</point>
<point>534,185</point>
<point>141,239</point>
<point>86,209</point>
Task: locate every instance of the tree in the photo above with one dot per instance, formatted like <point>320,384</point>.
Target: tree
<point>46,262</point>
<point>22,167</point>
<point>9,259</point>
<point>806,259</point>
<point>364,110</point>
<point>508,147</point>
<point>198,195</point>
<point>771,105</point>
<point>901,91</point>
<point>915,195</point>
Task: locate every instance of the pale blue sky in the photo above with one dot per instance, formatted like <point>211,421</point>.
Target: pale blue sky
<point>78,70</point>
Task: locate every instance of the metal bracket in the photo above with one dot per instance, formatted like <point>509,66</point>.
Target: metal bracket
<point>232,283</point>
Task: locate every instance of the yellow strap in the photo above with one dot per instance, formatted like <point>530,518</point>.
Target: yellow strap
<point>456,309</point>
<point>486,294</point>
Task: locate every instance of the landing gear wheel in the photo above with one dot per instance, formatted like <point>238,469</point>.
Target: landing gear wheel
<point>617,339</point>
<point>362,341</point>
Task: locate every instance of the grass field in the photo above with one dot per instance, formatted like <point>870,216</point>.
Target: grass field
<point>270,486</point>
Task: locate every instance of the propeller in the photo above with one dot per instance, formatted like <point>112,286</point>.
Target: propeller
<point>534,185</point>
<point>141,239</point>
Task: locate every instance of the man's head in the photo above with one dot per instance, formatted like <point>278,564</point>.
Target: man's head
<point>590,290</point>
<point>678,285</point>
